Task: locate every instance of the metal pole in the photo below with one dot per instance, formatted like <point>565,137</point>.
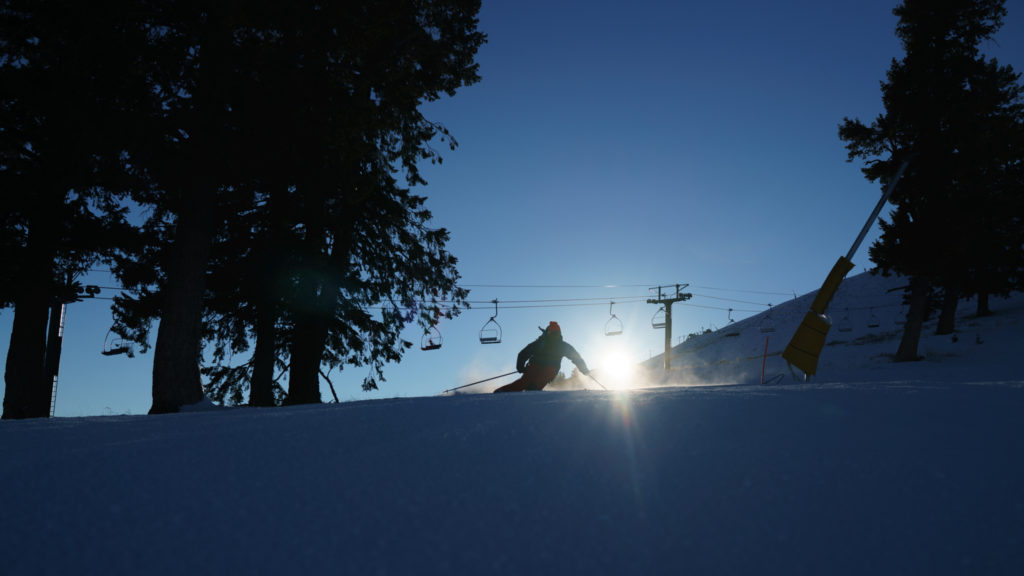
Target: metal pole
<point>809,339</point>
<point>667,303</point>
<point>598,383</point>
<point>53,350</point>
<point>479,382</point>
<point>878,209</point>
<point>668,336</point>
<point>764,359</point>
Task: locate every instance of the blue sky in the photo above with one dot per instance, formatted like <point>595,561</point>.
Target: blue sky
<point>619,143</point>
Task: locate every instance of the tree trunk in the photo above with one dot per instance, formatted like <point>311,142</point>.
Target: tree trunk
<point>307,352</point>
<point>176,377</point>
<point>983,309</point>
<point>312,322</point>
<point>919,289</point>
<point>268,296</point>
<point>26,353</point>
<point>26,394</point>
<point>947,316</point>
<point>308,340</point>
<point>261,386</point>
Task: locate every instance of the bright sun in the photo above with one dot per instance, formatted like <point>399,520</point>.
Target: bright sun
<point>617,367</point>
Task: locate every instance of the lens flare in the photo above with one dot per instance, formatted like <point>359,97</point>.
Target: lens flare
<point>617,368</point>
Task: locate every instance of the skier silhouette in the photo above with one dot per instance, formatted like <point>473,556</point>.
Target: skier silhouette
<point>539,361</point>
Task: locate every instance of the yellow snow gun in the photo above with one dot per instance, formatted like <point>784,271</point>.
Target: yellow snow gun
<point>808,340</point>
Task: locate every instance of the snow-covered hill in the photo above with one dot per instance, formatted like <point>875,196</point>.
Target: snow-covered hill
<point>874,468</point>
<point>867,323</point>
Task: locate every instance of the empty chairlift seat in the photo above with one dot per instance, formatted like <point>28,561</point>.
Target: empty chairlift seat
<point>490,333</point>
<point>658,320</point>
<point>613,327</point>
<point>844,325</point>
<point>114,346</point>
<point>767,324</point>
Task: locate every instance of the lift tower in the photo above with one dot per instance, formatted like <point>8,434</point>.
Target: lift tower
<point>666,302</point>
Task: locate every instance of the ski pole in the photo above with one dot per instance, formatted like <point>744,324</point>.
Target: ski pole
<point>598,383</point>
<point>479,382</point>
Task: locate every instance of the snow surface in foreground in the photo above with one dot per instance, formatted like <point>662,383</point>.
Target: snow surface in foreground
<point>874,468</point>
<point>828,479</point>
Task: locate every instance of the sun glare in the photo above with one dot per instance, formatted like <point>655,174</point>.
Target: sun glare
<point>616,368</point>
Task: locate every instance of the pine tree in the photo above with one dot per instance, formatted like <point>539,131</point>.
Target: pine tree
<point>176,377</point>
<point>67,86</point>
<point>318,106</point>
<point>994,165</point>
<point>938,100</point>
<point>366,240</point>
<point>195,163</point>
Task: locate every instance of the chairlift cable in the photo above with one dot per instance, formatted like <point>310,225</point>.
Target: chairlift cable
<point>746,291</point>
<point>621,298</point>
<point>556,285</point>
<point>600,300</point>
<point>645,285</point>
<point>731,300</point>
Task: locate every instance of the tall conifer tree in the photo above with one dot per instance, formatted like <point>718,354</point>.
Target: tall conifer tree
<point>312,111</point>
<point>68,87</point>
<point>951,109</point>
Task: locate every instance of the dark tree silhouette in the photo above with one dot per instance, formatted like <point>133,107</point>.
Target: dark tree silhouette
<point>67,85</point>
<point>293,120</point>
<point>959,115</point>
<point>365,239</point>
<point>208,33</point>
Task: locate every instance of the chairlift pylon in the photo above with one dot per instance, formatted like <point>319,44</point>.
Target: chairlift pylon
<point>613,327</point>
<point>490,333</point>
<point>658,320</point>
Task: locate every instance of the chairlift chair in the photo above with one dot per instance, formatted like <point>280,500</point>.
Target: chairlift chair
<point>731,329</point>
<point>873,321</point>
<point>767,323</point>
<point>901,316</point>
<point>658,320</point>
<point>490,333</point>
<point>113,347</point>
<point>845,325</point>
<point>613,327</point>
<point>431,339</point>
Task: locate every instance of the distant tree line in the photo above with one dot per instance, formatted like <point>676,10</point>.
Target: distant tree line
<point>244,168</point>
<point>957,117</point>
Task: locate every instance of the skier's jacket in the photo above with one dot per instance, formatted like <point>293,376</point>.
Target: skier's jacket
<point>548,350</point>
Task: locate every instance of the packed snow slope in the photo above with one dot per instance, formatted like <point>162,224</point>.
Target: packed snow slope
<point>867,316</point>
<point>854,479</point>
<point>908,469</point>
